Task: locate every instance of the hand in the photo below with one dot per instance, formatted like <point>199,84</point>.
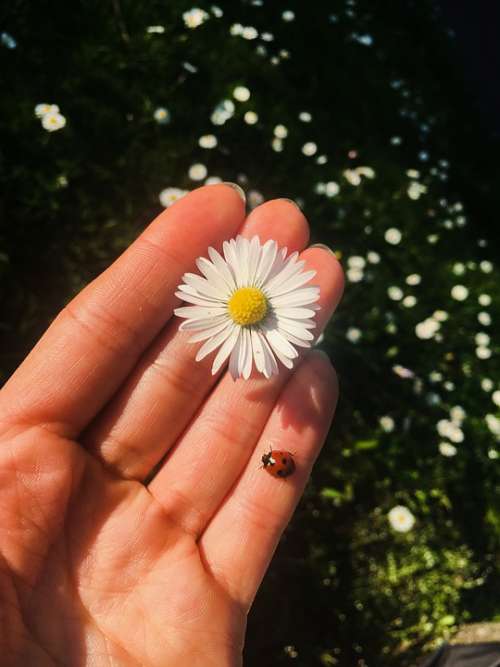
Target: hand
<point>103,562</point>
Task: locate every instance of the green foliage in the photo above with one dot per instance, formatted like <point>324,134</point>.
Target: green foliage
<point>402,152</point>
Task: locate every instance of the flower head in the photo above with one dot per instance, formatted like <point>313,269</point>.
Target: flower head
<point>53,121</point>
<point>253,303</point>
<point>401,519</point>
<point>169,196</point>
<point>162,115</point>
<point>195,17</point>
<point>43,108</point>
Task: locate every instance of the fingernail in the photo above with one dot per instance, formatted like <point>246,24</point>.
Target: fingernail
<point>239,190</point>
<point>290,201</point>
<point>323,246</point>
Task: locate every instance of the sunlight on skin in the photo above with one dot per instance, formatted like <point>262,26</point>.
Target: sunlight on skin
<point>93,568</point>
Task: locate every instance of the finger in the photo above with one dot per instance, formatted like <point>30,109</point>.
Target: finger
<point>167,386</point>
<point>211,454</point>
<point>95,341</point>
<point>240,541</point>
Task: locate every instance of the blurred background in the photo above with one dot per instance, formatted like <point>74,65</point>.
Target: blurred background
<point>382,121</point>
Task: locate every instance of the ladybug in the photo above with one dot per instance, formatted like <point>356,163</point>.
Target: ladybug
<point>278,463</point>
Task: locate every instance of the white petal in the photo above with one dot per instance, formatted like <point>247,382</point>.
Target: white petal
<point>258,352</point>
<point>247,362</point>
<point>271,366</point>
<point>233,360</point>
<point>242,251</point>
<point>299,297</point>
<point>267,257</point>
<point>232,260</point>
<point>226,349</point>
<point>281,264</point>
<point>287,273</point>
<point>295,329</point>
<point>214,342</point>
<point>198,325</point>
<point>304,324</point>
<point>297,313</point>
<point>295,340</point>
<point>199,312</point>
<point>213,276</point>
<point>292,283</point>
<point>189,289</point>
<point>198,300</point>
<point>208,333</point>
<point>253,259</point>
<point>280,344</point>
<point>222,267</point>
<point>288,363</point>
<point>203,286</point>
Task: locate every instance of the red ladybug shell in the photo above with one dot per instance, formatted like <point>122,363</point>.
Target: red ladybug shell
<point>279,463</point>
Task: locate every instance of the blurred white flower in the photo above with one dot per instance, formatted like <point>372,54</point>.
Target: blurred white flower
<point>386,423</point>
<point>484,300</point>
<point>213,180</point>
<point>195,17</point>
<point>309,148</point>
<point>332,189</point>
<point>322,159</point>
<point>277,144</point>
<point>353,334</point>
<point>352,176</point>
<point>236,29</point>
<point>415,190</point>
<point>170,195</point>
<point>486,266</point>
<point>495,397</point>
<point>222,112</point>
<point>413,173</point>
<point>482,338</point>
<point>484,318</point>
<point>393,236</point>
<point>249,32</point>
<point>288,15</point>
<point>217,11</point>
<point>155,29</point>
<point>43,108</point>
<point>409,301</point>
<point>241,93</point>
<point>401,519</point>
<point>450,430</point>
<point>457,414</point>
<point>396,141</point>
<point>391,328</point>
<point>53,121</point>
<point>440,315</point>
<point>367,172</point>
<point>493,424</point>
<point>254,198</point>
<point>197,172</point>
<point>483,352</point>
<point>493,454</point>
<point>280,131</point>
<point>373,257</point>
<point>208,141</point>
<point>250,118</point>
<point>354,275</point>
<point>395,293</point>
<point>356,262</point>
<point>427,328</point>
<point>435,376</point>
<point>403,372</point>
<point>447,449</point>
<point>413,279</point>
<point>267,36</point>
<point>487,384</point>
<point>458,269</point>
<point>459,292</point>
<point>161,115</point>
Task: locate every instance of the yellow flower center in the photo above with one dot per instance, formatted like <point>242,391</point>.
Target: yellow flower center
<point>248,305</point>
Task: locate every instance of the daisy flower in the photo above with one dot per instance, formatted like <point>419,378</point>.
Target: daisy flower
<point>169,196</point>
<point>253,303</point>
<point>53,121</point>
<point>401,519</point>
<point>43,108</point>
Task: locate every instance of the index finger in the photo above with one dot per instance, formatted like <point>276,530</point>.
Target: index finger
<point>97,338</point>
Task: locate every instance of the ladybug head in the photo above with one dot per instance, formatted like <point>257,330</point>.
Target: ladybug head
<point>266,459</point>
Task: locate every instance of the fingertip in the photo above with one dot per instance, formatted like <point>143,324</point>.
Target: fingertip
<point>279,219</point>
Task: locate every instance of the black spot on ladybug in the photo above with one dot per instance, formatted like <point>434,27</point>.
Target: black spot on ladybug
<point>282,473</point>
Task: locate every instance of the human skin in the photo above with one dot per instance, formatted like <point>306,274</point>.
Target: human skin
<point>102,562</point>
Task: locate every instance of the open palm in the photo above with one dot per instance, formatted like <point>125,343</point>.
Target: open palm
<point>136,525</point>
